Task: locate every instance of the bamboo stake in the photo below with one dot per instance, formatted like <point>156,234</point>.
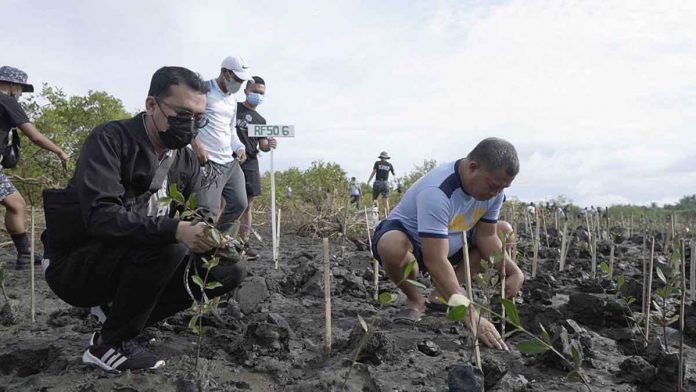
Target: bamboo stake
<point>375,263</point>
<point>470,294</point>
<point>277,249</point>
<point>327,295</point>
<point>536,241</point>
<point>680,385</point>
<point>564,245</point>
<point>555,219</point>
<point>503,278</point>
<point>546,232</point>
<point>594,257</point>
<point>648,294</point>
<point>692,273</point>
<point>345,227</point>
<point>611,260</point>
<point>31,263</point>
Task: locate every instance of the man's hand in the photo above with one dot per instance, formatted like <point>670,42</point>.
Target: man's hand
<point>241,156</point>
<point>195,237</point>
<point>514,278</point>
<point>64,159</point>
<point>272,142</point>
<point>485,330</point>
<point>202,157</point>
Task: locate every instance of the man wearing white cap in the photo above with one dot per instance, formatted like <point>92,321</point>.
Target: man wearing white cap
<point>217,145</point>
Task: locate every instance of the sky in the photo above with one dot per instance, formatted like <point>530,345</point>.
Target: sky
<point>599,97</point>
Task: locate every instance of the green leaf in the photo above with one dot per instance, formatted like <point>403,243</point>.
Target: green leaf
<point>604,267</point>
<point>577,359</point>
<point>415,283</point>
<point>511,312</point>
<point>185,214</point>
<point>661,275</point>
<point>457,313</point>
<point>363,324</point>
<point>409,268</point>
<point>672,319</point>
<point>212,263</point>
<point>620,281</point>
<point>497,256</point>
<point>532,347</point>
<point>544,334</point>
<point>213,285</point>
<point>197,280</point>
<point>193,322</point>
<point>386,298</point>
<point>164,200</point>
<point>216,236</point>
<point>657,319</point>
<point>191,203</point>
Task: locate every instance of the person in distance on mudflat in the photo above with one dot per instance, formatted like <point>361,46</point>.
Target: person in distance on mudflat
<point>458,197</point>
<point>380,171</point>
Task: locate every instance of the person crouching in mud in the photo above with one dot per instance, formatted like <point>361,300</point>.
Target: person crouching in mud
<point>427,225</point>
<point>114,243</point>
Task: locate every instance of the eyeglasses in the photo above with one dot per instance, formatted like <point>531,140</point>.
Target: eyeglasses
<point>198,120</point>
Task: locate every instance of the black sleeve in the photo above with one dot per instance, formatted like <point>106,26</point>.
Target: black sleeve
<point>192,176</point>
<point>15,114</point>
<point>374,167</point>
<point>392,169</point>
<point>101,194</point>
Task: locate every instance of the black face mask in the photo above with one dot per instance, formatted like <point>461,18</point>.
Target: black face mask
<point>181,130</point>
<point>179,133</point>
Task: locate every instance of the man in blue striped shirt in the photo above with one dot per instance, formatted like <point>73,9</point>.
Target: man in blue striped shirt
<point>427,225</point>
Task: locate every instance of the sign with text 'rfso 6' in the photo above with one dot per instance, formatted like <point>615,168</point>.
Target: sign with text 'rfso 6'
<point>262,130</point>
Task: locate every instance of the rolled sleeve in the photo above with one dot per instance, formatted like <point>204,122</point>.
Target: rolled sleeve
<point>493,211</point>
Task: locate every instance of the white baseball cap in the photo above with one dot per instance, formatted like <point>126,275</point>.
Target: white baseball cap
<point>238,66</point>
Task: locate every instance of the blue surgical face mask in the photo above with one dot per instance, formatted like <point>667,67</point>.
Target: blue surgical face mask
<point>255,99</point>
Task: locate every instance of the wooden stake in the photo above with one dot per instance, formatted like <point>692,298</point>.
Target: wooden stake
<point>692,272</point>
<point>594,257</point>
<point>31,263</point>
<point>503,278</point>
<point>536,242</point>
<point>611,260</point>
<point>564,245</point>
<point>648,294</point>
<point>375,263</point>
<point>327,295</point>
<point>277,249</point>
<point>680,385</point>
<point>470,294</point>
<point>546,232</point>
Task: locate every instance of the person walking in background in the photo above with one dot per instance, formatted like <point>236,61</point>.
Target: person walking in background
<point>354,193</point>
<point>380,171</point>
<point>13,82</point>
<point>247,114</point>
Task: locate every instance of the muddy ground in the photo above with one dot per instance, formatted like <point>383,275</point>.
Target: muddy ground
<point>278,344</point>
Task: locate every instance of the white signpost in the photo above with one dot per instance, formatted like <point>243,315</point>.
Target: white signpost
<point>275,131</point>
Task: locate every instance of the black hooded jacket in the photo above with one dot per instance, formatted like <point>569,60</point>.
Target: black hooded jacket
<point>112,180</point>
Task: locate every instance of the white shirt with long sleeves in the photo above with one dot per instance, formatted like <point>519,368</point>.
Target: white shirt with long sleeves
<point>219,137</point>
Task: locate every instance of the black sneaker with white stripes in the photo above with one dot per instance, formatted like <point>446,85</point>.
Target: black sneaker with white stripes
<point>128,355</point>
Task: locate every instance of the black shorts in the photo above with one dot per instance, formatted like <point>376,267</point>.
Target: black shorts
<point>380,187</point>
<point>393,224</point>
<point>252,177</point>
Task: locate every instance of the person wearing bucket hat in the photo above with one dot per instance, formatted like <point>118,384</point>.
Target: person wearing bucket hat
<point>218,148</point>
<point>13,82</point>
<point>380,170</point>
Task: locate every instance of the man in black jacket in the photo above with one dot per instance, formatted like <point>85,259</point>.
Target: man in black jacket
<point>135,255</point>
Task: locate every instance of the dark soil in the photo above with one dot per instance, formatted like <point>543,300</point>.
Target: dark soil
<point>278,343</point>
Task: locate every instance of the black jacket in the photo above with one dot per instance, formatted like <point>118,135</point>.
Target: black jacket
<point>112,181</point>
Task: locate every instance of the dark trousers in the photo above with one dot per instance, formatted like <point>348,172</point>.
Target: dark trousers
<point>144,283</point>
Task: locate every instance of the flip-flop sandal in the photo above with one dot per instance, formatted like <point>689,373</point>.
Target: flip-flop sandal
<point>407,315</point>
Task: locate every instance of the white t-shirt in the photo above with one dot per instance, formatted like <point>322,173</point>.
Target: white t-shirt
<point>219,138</point>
